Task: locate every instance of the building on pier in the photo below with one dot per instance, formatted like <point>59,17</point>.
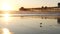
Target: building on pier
<point>59,5</point>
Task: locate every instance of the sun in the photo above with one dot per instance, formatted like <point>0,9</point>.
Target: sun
<point>6,7</point>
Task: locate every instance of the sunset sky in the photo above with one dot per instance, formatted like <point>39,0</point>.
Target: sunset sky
<point>15,4</point>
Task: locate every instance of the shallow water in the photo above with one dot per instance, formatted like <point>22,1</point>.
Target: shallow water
<point>29,25</point>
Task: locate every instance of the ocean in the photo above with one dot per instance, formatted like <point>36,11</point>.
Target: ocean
<point>28,25</point>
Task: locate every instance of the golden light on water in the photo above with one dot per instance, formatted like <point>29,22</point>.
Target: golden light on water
<point>6,17</point>
<point>6,31</point>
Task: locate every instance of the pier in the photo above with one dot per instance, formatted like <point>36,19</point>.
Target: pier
<point>43,12</point>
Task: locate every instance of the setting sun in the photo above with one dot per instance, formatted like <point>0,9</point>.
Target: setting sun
<point>6,7</point>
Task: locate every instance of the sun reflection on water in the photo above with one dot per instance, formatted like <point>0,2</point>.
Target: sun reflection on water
<point>6,18</point>
<point>6,31</point>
